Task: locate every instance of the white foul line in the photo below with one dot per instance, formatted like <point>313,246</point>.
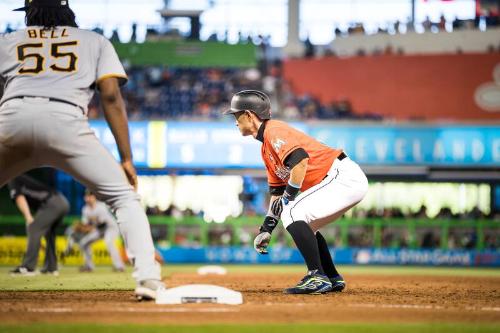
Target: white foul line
<point>423,306</point>
<point>129,309</point>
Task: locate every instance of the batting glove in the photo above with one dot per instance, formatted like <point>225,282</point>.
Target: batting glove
<point>261,242</point>
<point>277,206</point>
<point>290,193</point>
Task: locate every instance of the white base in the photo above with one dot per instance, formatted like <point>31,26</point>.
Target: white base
<point>212,269</point>
<point>199,293</point>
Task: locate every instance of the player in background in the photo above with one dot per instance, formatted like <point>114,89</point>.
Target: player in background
<point>51,70</point>
<point>310,184</point>
<point>97,215</point>
<point>49,207</point>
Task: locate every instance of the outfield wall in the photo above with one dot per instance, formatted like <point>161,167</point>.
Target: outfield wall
<point>12,250</point>
<point>349,256</point>
<point>188,145</point>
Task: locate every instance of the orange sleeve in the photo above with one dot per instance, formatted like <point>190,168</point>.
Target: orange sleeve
<point>283,142</point>
<point>272,180</point>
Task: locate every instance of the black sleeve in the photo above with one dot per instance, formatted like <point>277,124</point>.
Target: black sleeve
<point>295,157</point>
<point>15,188</point>
<point>277,190</point>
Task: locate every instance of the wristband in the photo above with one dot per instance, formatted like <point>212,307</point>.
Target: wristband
<point>269,224</point>
<point>291,192</point>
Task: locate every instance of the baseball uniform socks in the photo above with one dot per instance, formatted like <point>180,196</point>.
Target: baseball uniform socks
<point>326,258</point>
<point>306,242</point>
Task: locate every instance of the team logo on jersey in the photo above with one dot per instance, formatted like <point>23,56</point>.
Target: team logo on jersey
<point>277,144</point>
<point>282,173</point>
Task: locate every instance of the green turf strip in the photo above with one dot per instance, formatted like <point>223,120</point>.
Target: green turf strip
<point>271,328</point>
<point>104,279</point>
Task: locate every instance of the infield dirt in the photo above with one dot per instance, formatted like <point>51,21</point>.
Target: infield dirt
<point>378,298</point>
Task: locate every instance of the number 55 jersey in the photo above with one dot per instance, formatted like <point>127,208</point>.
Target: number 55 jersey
<point>67,63</point>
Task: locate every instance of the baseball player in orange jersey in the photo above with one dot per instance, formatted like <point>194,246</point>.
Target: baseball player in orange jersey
<point>310,184</point>
<point>51,70</point>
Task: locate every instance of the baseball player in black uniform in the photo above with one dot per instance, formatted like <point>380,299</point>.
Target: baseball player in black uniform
<point>50,207</point>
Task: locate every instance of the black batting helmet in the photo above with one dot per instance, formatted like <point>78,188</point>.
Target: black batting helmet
<point>252,100</point>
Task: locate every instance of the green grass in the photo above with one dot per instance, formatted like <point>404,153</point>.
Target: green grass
<point>104,279</point>
<point>268,328</point>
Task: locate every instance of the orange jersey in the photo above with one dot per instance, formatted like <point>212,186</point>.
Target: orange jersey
<point>280,140</point>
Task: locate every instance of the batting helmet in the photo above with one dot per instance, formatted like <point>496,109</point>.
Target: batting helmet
<point>252,100</point>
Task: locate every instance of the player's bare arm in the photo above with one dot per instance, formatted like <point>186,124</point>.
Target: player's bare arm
<point>298,172</point>
<point>116,116</point>
<point>24,208</point>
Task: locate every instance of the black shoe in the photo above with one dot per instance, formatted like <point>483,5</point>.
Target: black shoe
<point>338,283</point>
<point>85,269</point>
<point>49,272</point>
<point>22,271</point>
<point>312,283</point>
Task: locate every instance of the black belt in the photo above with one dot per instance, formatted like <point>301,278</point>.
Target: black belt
<point>52,99</point>
<point>340,158</point>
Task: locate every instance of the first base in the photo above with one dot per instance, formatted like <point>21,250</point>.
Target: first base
<point>199,293</point>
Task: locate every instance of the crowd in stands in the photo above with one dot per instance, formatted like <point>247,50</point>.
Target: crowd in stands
<point>202,94</point>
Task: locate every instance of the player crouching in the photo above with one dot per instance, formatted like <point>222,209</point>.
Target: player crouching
<point>311,185</point>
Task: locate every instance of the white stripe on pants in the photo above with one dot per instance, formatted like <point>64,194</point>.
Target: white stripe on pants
<point>343,188</point>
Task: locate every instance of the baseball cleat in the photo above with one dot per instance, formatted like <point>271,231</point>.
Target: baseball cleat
<point>338,283</point>
<point>85,269</point>
<point>146,290</point>
<point>48,272</point>
<point>23,271</point>
<point>312,283</point>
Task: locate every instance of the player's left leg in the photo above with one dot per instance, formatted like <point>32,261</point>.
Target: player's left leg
<point>338,283</point>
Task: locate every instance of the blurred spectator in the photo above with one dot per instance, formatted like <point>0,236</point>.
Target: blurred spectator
<point>8,29</point>
<point>309,48</point>
<point>442,23</point>
<point>427,24</point>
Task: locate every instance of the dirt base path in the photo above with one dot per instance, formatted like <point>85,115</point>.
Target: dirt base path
<point>366,299</point>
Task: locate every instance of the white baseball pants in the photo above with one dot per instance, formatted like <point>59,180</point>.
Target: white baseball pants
<point>344,186</point>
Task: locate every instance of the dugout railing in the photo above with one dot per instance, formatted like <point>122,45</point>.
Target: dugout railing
<point>347,232</point>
